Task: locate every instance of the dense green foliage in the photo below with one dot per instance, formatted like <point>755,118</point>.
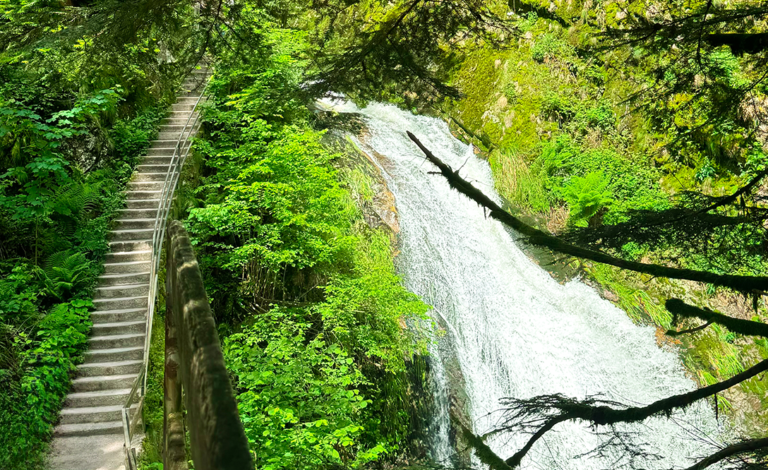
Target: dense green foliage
<point>73,118</point>
<point>312,315</point>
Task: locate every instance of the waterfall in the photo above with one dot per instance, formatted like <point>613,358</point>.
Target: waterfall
<point>512,330</point>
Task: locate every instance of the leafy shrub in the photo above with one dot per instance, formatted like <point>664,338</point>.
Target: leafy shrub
<point>304,291</point>
<point>64,273</point>
<point>631,185</point>
<point>133,136</point>
<point>299,396</point>
<point>706,171</point>
<point>34,389</point>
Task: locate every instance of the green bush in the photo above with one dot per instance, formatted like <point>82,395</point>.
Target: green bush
<point>304,291</point>
<point>34,387</point>
<point>626,182</point>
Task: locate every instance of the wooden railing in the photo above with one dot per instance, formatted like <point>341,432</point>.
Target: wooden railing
<point>195,376</point>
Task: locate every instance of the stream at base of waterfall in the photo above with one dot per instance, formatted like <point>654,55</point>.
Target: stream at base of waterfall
<point>510,329</point>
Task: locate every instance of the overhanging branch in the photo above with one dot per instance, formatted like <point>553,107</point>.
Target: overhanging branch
<point>597,413</point>
<point>537,237</point>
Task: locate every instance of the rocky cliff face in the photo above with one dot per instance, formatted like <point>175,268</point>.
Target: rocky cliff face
<point>362,171</point>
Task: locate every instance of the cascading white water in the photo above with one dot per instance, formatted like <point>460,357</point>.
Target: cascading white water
<point>514,330</point>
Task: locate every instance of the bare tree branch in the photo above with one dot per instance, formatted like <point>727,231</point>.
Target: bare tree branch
<point>599,413</point>
<point>740,448</point>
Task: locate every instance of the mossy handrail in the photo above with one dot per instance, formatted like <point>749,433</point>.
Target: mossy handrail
<point>195,374</point>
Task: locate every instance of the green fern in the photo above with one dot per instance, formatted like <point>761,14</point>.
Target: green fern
<point>65,272</point>
<point>586,196</point>
<point>76,199</point>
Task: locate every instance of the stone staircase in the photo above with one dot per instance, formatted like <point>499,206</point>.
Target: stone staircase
<point>89,435</point>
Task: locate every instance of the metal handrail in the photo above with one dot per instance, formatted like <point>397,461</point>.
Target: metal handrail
<point>180,153</point>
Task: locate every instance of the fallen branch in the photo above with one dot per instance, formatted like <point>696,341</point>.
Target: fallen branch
<point>537,237</point>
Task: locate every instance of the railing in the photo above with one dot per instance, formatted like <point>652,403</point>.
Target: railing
<point>180,153</point>
<point>193,352</point>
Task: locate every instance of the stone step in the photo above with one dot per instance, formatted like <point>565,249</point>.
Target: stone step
<point>190,89</point>
<point>135,266</point>
<point>160,161</point>
<point>146,186</point>
<point>180,121</point>
<point>166,143</point>
<point>123,279</point>
<point>181,114</point>
<point>111,292</point>
<point>116,341</point>
<point>134,196</point>
<point>97,452</point>
<point>189,99</point>
<point>118,315</point>
<point>112,460</point>
<point>122,257</point>
<point>144,203</point>
<point>89,429</point>
<point>173,128</point>
<point>149,177</point>
<point>132,234</point>
<point>143,213</point>
<point>138,223</point>
<point>117,328</point>
<point>130,245</point>
<point>132,353</point>
<point>118,303</point>
<point>154,167</point>
<point>175,136</point>
<point>183,107</point>
<point>160,152</point>
<point>99,369</point>
<point>116,396</point>
<point>95,414</point>
<point>109,382</point>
